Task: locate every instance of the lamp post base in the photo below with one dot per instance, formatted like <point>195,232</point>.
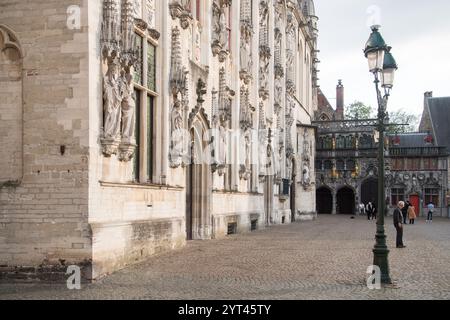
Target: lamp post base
<point>380,259</point>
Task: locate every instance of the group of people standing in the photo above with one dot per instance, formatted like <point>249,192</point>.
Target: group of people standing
<point>409,211</point>
<point>370,209</point>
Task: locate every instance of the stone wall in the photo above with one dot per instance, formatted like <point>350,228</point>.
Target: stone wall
<point>67,201</point>
<point>44,217</point>
<point>11,107</point>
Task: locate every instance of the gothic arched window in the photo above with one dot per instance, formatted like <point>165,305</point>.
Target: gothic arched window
<point>351,165</point>
<point>349,142</point>
<point>340,142</point>
<point>340,165</point>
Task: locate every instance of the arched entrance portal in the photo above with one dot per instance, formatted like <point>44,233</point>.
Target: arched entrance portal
<point>345,201</point>
<point>369,191</point>
<point>324,201</point>
<point>198,183</point>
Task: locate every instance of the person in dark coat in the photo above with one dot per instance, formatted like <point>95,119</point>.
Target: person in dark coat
<point>405,211</point>
<point>369,209</point>
<point>398,224</point>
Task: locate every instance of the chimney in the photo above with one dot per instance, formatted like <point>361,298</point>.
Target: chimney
<point>429,94</point>
<point>340,101</point>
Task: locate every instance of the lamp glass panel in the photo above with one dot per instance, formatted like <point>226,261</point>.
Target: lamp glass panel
<point>388,78</point>
<point>376,60</point>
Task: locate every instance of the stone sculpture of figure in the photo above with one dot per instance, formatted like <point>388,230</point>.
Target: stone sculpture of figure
<point>306,150</point>
<point>128,110</point>
<point>223,35</point>
<point>177,133</point>
<point>217,12</point>
<point>247,151</point>
<point>137,8</point>
<point>112,103</point>
<point>245,55</point>
<point>306,177</point>
<point>222,145</point>
<point>263,73</point>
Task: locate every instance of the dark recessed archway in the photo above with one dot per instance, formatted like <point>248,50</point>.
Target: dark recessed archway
<point>345,201</point>
<point>369,191</point>
<point>324,201</point>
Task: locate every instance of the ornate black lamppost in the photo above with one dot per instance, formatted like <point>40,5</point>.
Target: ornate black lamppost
<point>383,67</point>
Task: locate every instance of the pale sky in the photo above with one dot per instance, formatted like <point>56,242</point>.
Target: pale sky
<point>418,31</point>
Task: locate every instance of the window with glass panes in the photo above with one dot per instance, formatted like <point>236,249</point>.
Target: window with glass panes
<point>398,164</point>
<point>397,195</point>
<point>430,163</point>
<point>431,195</point>
<point>351,165</point>
<point>413,164</point>
<point>146,97</point>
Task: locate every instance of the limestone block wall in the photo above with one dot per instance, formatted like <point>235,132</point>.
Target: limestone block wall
<point>237,208</point>
<point>44,217</point>
<point>10,108</point>
<point>130,221</point>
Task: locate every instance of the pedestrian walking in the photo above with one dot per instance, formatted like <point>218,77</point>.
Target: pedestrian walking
<point>374,212</point>
<point>405,211</point>
<point>398,219</point>
<point>412,214</point>
<point>362,209</point>
<point>430,212</point>
<point>369,210</point>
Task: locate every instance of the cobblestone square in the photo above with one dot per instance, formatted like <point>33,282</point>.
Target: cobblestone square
<point>323,259</point>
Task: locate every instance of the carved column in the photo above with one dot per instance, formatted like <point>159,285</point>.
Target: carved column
<point>179,90</point>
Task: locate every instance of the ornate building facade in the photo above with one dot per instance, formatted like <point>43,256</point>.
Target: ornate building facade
<point>347,164</point>
<point>136,125</point>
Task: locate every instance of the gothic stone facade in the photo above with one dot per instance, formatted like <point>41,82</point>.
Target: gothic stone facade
<point>129,127</point>
<point>347,165</point>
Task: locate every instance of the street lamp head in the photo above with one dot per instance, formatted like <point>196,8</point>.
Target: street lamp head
<point>389,68</point>
<point>375,50</point>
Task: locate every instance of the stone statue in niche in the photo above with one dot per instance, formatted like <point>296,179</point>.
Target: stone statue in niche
<point>245,55</point>
<point>137,9</point>
<point>112,103</point>
<point>223,36</point>
<point>128,106</point>
<point>177,139</point>
<point>306,176</point>
<point>128,110</point>
<point>222,145</point>
<point>217,28</point>
<point>263,74</point>
<point>245,171</point>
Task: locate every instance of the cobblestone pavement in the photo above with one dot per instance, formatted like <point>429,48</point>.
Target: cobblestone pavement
<point>323,259</point>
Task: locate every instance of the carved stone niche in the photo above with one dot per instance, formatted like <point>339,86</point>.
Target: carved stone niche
<point>245,173</point>
<point>220,31</point>
<point>290,87</point>
<point>246,52</point>
<point>179,10</point>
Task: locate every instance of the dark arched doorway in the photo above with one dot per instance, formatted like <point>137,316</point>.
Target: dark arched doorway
<point>293,194</point>
<point>198,183</point>
<point>345,201</point>
<point>369,191</point>
<point>324,201</point>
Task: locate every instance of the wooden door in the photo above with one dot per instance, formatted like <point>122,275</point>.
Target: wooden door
<point>415,201</point>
